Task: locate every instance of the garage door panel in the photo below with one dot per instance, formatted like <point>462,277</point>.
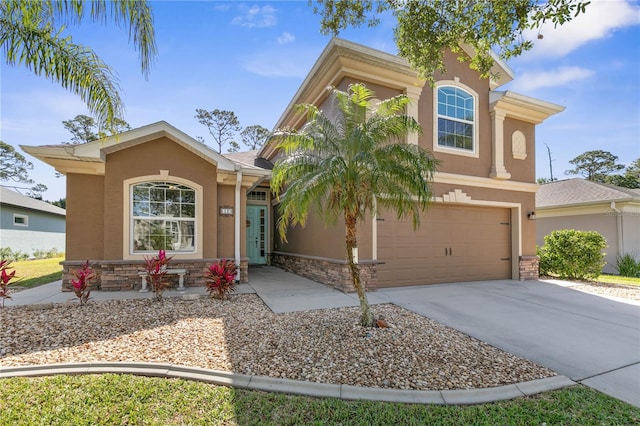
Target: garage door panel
<point>453,243</point>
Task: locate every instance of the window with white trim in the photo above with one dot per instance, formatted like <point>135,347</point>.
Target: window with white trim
<point>456,119</point>
<point>257,196</point>
<point>163,216</point>
<point>20,220</point>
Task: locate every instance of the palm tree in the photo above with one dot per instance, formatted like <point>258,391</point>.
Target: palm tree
<point>351,165</point>
<point>31,34</point>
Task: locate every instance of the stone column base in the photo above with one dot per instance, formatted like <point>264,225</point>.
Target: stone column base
<point>529,268</point>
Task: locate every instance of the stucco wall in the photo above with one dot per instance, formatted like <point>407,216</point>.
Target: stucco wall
<point>319,240</point>
<point>315,239</point>
<point>521,170</point>
<point>85,217</point>
<point>451,163</point>
<point>148,159</point>
<point>226,224</point>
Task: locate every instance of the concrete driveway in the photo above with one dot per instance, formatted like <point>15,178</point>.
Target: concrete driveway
<point>591,339</point>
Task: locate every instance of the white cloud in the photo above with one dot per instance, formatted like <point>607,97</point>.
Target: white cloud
<point>602,17</point>
<point>286,38</point>
<point>558,77</point>
<point>280,62</point>
<point>257,17</point>
<point>51,104</point>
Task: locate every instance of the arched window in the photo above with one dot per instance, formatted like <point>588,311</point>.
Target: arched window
<point>163,216</point>
<point>456,119</point>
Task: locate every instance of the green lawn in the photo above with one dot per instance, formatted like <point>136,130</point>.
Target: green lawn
<point>616,279</point>
<point>33,273</point>
<point>111,399</point>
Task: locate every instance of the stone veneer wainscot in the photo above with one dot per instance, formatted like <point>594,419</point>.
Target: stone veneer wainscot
<point>122,275</point>
<point>331,272</point>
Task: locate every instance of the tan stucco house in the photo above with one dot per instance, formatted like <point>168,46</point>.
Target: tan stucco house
<point>478,227</point>
<point>121,192</point>
<point>584,205</point>
<point>151,188</point>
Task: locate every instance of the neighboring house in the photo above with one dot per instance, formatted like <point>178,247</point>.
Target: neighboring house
<point>156,187</point>
<point>581,204</point>
<point>27,224</point>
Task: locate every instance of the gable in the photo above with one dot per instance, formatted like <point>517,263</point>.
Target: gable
<point>157,154</point>
<point>90,158</point>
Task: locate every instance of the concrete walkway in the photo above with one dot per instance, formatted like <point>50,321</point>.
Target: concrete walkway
<point>585,338</point>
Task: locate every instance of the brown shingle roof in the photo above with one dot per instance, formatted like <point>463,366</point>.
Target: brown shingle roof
<point>580,191</point>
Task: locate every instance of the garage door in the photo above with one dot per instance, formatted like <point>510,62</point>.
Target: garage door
<point>453,243</point>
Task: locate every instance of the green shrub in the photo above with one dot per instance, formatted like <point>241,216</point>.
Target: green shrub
<point>628,266</point>
<point>12,256</point>
<point>572,254</point>
<point>17,256</point>
<point>46,254</point>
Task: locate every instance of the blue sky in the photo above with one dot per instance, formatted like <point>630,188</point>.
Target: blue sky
<point>251,57</point>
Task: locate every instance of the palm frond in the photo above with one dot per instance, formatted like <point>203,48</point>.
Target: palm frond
<point>31,34</point>
<point>75,67</point>
<point>136,15</point>
<point>352,161</point>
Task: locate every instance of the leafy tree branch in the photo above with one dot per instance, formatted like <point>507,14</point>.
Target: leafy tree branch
<point>426,29</point>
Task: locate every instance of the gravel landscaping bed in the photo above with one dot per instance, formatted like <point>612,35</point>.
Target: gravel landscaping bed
<point>242,335</point>
<point>606,289</point>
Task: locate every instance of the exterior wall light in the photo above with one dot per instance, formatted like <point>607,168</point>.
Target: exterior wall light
<point>531,215</point>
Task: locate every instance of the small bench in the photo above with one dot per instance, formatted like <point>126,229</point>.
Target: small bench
<point>179,272</point>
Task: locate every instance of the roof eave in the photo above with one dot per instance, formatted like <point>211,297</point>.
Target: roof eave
<point>590,203</point>
<point>65,158</point>
<point>33,209</point>
<point>523,107</point>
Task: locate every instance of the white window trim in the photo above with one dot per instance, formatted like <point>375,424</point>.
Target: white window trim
<point>22,216</point>
<point>450,150</point>
<point>127,219</point>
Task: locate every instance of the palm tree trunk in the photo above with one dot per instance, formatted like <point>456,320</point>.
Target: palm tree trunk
<point>366,316</point>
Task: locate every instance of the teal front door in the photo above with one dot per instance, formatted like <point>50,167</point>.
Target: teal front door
<point>257,234</point>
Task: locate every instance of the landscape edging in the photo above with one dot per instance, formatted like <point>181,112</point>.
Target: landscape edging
<point>271,384</point>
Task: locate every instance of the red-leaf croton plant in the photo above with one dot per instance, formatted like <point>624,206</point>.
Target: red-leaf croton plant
<point>156,268</point>
<point>221,278</point>
<point>81,284</point>
<point>5,280</point>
